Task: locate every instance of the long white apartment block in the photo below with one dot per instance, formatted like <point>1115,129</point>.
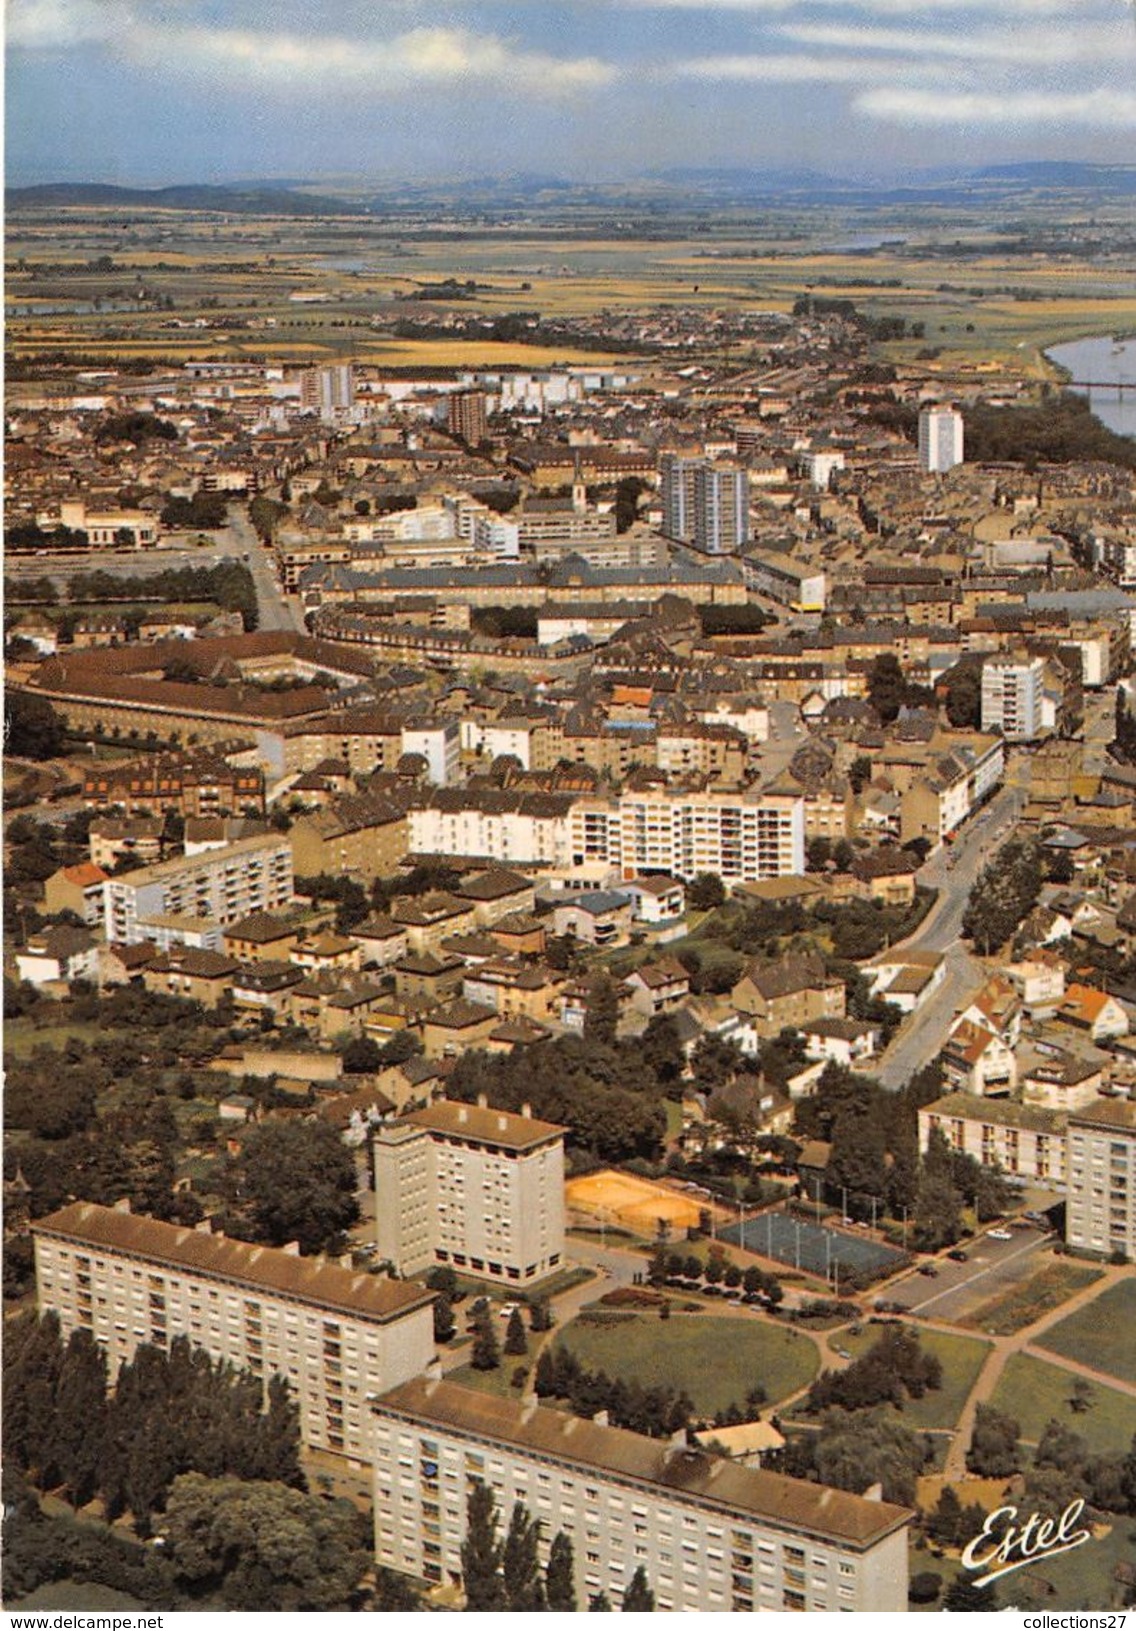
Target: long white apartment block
<point>711,1535</point>
<point>743,837</point>
<point>334,1335</point>
<point>219,886</point>
<point>479,1190</point>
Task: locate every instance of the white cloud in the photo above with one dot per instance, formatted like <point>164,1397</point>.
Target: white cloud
<point>1100,108</point>
<point>893,8</point>
<point>421,56</point>
<point>54,25</point>
<point>1088,43</point>
<point>785,69</point>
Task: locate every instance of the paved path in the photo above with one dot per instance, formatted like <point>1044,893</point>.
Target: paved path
<point>1022,1341</point>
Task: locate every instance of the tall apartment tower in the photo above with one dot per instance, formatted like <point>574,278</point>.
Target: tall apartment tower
<point>329,391</point>
<point>721,508</point>
<point>1101,1168</point>
<point>676,483</point>
<point>466,416</point>
<point>478,1189</point>
<point>940,439</point>
<point>1012,697</point>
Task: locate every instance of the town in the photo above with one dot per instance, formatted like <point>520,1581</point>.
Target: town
<point>570,952</point>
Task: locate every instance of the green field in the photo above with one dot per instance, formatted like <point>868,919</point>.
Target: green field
<point>1034,1393</point>
<point>1101,1334</point>
<point>961,1357</point>
<point>715,1360</point>
<point>22,1037</point>
<point>1013,1310</point>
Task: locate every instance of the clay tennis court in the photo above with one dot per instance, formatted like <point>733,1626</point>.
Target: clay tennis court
<point>635,1203</point>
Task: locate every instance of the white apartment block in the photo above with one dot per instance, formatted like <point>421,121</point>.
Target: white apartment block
<point>1101,1210</point>
<point>710,1534</point>
<point>1027,1141</point>
<point>1115,555</point>
<point>1012,697</point>
<point>334,1335</point>
<point>440,746</point>
<point>519,830</point>
<point>221,886</point>
<point>477,1189</point>
<point>743,837</point>
<point>940,439</point>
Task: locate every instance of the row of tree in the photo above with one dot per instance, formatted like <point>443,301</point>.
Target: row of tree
<point>503,1573</point>
<point>894,1369</point>
<point>657,1412</point>
<point>169,1414</point>
<point>1004,893</point>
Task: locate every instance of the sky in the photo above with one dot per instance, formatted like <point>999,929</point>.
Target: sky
<point>146,92</point>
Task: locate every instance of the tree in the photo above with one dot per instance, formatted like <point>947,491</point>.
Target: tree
<point>520,1564</point>
<point>540,1315</point>
<point>638,1598</point>
<point>444,1322</point>
<point>599,1603</point>
<point>1004,892</point>
<point>869,1447</point>
<point>705,892</point>
<point>602,1015</point>
<point>294,1180</point>
<point>262,1546</point>
<point>515,1340</point>
<point>993,1451</point>
<point>76,1444</point>
<point>32,728</point>
<point>482,1553</point>
<point>362,1056</point>
<point>963,685</point>
<point>560,1576</point>
<point>964,1597</point>
<point>486,1353</point>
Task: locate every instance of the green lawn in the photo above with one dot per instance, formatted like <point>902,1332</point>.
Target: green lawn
<point>1034,1393</point>
<point>499,1382</point>
<point>716,1360</point>
<point>1074,1581</point>
<point>1013,1310</point>
<point>22,1037</point>
<point>1101,1334</point>
<point>961,1357</point>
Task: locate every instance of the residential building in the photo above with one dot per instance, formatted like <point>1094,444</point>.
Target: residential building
<point>478,1189</point>
<point>1026,1140</point>
<point>466,417</point>
<point>1101,1215</point>
<point>787,993</point>
<point>940,439</point>
<point>221,887</point>
<point>743,837</point>
<point>721,507</point>
<point>334,1335</point>
<point>77,889</point>
<point>710,1535</point>
<point>1012,696</point>
<point>59,953</point>
<point>363,833</point>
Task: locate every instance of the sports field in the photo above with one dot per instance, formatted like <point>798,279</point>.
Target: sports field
<point>635,1203</point>
<point>809,1246</point>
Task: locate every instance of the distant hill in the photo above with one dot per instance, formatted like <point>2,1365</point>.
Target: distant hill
<point>228,200</point>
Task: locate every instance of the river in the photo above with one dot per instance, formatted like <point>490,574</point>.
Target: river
<point>1106,365</point>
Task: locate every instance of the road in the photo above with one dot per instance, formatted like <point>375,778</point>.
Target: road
<point>237,541</point>
<point>276,612</point>
<point>993,1266</point>
<point>953,872</point>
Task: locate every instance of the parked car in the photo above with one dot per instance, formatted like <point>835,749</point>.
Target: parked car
<point>958,1255</point>
<point>998,1234</point>
<point>929,1270</point>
